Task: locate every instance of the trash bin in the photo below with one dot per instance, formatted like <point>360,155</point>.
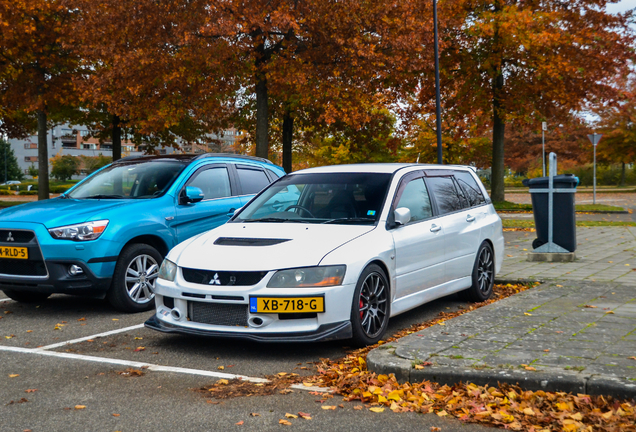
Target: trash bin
<point>564,220</point>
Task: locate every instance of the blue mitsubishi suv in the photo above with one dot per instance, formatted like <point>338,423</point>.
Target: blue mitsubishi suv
<point>107,236</point>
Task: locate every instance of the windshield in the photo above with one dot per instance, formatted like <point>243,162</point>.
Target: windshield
<point>129,180</point>
<point>339,198</point>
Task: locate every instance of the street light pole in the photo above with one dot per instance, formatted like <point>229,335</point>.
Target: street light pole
<point>544,126</point>
<point>594,139</point>
<point>438,109</point>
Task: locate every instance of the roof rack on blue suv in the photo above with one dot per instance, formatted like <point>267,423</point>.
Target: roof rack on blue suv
<point>107,236</point>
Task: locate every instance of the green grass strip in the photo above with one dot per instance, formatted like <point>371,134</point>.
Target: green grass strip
<point>513,223</point>
<point>510,206</point>
<point>5,204</point>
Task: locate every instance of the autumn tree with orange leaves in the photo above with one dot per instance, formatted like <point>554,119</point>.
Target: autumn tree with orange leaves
<point>37,63</point>
<point>516,62</point>
<point>618,126</point>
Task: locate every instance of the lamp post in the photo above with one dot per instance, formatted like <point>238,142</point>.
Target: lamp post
<point>438,109</point>
<point>544,127</point>
<point>594,139</point>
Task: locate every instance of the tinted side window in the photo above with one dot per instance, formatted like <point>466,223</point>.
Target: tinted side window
<point>415,198</point>
<point>214,182</point>
<point>471,189</point>
<point>252,180</point>
<point>446,195</point>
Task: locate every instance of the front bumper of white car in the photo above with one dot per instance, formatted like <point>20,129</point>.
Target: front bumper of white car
<point>224,311</point>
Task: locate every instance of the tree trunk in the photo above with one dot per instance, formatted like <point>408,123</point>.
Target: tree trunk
<point>497,192</point>
<point>43,157</point>
<point>262,118</point>
<point>288,135</point>
<point>116,137</point>
<point>623,175</point>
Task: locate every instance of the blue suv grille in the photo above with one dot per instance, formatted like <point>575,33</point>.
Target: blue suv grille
<point>33,266</point>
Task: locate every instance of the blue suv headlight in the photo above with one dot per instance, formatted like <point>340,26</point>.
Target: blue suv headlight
<point>80,232</point>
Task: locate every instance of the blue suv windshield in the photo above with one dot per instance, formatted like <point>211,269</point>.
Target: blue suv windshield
<point>133,180</point>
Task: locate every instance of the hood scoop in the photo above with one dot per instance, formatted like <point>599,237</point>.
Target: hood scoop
<point>239,241</point>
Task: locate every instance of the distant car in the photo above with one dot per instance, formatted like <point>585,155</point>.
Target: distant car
<point>11,182</point>
<point>107,236</point>
<point>332,253</point>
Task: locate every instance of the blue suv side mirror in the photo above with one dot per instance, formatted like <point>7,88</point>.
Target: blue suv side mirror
<point>192,195</point>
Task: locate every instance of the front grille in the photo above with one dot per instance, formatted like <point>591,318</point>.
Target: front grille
<point>218,314</point>
<point>16,235</point>
<point>33,266</point>
<point>22,267</point>
<point>224,278</point>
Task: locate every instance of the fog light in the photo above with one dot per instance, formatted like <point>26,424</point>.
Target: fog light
<point>74,270</point>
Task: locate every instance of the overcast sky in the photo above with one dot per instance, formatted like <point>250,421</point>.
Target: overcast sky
<point>621,6</point>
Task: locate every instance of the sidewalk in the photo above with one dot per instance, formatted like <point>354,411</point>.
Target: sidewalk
<point>576,332</point>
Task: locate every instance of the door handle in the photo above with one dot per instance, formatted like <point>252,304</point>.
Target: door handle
<point>470,218</point>
<point>277,206</point>
<point>435,228</point>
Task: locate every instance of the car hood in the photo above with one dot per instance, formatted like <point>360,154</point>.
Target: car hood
<point>57,211</point>
<point>300,245</point>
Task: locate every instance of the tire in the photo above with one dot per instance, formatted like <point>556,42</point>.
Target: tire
<point>132,290</point>
<point>371,307</point>
<point>26,296</point>
<point>483,275</point>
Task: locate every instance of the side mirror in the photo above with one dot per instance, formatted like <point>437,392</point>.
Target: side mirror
<point>191,195</point>
<point>402,216</point>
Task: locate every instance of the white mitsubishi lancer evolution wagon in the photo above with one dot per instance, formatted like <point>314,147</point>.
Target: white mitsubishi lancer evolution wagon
<point>332,253</point>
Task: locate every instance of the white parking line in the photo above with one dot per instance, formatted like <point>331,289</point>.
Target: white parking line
<point>149,366</point>
<point>152,367</point>
<point>108,333</point>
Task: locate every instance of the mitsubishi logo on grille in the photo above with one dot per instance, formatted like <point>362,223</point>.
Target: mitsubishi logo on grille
<point>10,237</point>
<point>215,280</point>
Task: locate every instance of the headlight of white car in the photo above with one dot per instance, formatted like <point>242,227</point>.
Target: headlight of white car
<point>322,276</point>
<point>80,232</point>
<point>168,270</point>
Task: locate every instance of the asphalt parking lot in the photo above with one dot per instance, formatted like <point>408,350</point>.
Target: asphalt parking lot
<point>71,351</point>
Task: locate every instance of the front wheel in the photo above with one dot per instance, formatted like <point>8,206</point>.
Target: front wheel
<point>483,275</point>
<point>370,308</point>
<point>133,286</point>
<point>26,296</point>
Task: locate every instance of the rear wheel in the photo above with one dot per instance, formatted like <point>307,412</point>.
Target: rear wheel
<point>483,275</point>
<point>133,285</point>
<point>370,308</point>
<point>26,296</point>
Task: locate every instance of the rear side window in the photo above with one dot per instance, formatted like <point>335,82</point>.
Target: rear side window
<point>446,194</point>
<point>252,180</point>
<point>471,189</point>
<point>214,182</point>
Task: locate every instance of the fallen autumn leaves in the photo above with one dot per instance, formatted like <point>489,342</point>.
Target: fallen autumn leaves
<point>505,406</point>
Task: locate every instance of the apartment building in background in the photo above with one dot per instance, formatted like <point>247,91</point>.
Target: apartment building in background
<point>75,141</point>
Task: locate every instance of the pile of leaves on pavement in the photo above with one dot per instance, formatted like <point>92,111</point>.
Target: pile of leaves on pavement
<point>225,389</point>
<point>506,406</point>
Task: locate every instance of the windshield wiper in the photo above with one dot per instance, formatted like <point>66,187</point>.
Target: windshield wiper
<point>104,196</point>
<point>269,219</point>
<point>352,220</point>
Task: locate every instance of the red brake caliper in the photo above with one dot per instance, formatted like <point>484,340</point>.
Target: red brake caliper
<point>361,306</point>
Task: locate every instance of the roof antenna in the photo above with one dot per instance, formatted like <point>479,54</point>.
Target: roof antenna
<point>418,158</point>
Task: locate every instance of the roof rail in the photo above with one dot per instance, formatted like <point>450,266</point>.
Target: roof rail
<point>235,155</point>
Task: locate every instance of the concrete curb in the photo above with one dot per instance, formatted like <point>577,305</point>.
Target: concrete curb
<point>384,361</point>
